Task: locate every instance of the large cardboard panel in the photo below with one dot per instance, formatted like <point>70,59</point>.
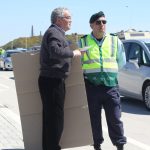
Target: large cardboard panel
<point>26,66</point>
<point>77,129</point>
<point>26,69</point>
<point>75,96</point>
<point>30,102</point>
<point>32,131</point>
<point>31,85</point>
<point>32,127</point>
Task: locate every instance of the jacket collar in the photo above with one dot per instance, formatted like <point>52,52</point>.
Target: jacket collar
<point>58,28</point>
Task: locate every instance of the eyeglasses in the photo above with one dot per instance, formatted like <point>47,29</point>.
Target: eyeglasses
<point>99,22</point>
<point>67,17</point>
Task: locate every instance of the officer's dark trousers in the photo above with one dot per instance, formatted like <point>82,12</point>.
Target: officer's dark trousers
<point>52,92</point>
<point>108,98</point>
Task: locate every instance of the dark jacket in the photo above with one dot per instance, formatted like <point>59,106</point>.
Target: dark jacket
<point>55,54</point>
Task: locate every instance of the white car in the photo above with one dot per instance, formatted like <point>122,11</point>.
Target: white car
<point>134,77</point>
<point>5,59</point>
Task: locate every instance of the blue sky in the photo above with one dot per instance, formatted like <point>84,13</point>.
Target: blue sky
<point>17,16</point>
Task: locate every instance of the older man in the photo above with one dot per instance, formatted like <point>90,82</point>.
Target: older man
<point>55,60</point>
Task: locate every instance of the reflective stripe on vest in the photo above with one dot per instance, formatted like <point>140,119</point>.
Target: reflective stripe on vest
<point>99,70</point>
<point>98,61</point>
<point>112,46</point>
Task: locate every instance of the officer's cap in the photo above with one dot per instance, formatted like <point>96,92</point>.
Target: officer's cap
<point>95,16</point>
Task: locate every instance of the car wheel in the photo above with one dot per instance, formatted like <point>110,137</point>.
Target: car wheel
<point>147,95</point>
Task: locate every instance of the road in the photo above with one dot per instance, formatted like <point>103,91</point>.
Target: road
<point>8,96</point>
<point>134,115</point>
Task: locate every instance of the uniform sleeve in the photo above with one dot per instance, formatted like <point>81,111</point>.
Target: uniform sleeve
<point>121,58</point>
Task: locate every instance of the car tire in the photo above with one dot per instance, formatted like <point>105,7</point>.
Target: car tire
<point>146,95</point>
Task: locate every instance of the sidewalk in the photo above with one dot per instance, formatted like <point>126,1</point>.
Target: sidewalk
<point>10,130</point>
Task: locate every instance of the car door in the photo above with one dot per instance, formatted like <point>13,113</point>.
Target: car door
<point>131,77</point>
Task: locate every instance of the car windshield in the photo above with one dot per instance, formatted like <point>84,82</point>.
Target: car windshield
<point>148,45</point>
<point>10,53</point>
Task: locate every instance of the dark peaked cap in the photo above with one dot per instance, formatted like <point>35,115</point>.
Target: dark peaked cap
<point>94,17</point>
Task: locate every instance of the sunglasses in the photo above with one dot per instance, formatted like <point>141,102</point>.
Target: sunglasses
<point>99,22</point>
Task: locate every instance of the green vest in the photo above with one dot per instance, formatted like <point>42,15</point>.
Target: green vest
<point>1,51</point>
<point>99,62</point>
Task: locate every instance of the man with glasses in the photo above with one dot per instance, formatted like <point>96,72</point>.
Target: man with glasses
<point>55,62</point>
<point>100,63</point>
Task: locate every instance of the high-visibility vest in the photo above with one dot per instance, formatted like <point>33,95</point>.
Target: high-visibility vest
<point>1,51</point>
<point>100,59</point>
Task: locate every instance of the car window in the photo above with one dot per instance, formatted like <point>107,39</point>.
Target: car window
<point>126,47</point>
<point>134,51</point>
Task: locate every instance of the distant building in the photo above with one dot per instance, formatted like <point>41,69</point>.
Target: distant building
<point>133,34</point>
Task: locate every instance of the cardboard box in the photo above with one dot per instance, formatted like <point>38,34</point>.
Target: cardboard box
<point>77,128</point>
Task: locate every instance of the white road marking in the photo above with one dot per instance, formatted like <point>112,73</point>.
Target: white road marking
<point>134,142</point>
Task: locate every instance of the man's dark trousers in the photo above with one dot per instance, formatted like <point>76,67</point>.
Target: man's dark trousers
<point>52,92</point>
<point>108,98</point>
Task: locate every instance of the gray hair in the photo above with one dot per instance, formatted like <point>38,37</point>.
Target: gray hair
<point>57,12</point>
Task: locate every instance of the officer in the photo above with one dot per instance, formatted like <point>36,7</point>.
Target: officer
<point>100,64</point>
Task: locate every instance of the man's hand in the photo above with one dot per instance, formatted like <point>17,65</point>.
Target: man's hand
<point>76,53</point>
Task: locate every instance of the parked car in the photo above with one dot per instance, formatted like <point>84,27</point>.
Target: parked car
<point>34,48</point>
<point>134,77</point>
<point>5,59</point>
<point>22,49</point>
